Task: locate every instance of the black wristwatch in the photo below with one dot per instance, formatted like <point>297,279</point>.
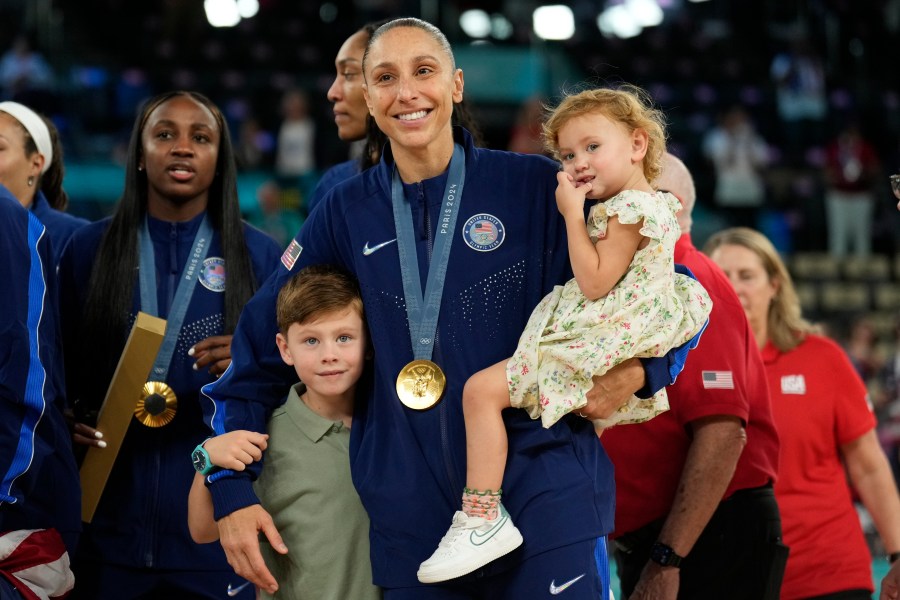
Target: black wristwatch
<point>664,555</point>
<point>200,458</point>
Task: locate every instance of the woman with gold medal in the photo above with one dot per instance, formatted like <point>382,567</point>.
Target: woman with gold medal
<point>478,242</point>
<point>175,234</point>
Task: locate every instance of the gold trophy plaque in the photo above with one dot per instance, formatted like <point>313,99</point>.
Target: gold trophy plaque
<point>117,410</point>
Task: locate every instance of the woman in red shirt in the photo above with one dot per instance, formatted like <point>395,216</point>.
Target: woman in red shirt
<point>826,426</point>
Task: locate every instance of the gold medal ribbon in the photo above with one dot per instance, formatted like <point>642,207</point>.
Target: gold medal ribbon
<point>158,404</point>
<point>421,383</point>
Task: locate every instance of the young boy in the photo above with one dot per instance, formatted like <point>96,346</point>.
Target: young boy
<point>306,484</point>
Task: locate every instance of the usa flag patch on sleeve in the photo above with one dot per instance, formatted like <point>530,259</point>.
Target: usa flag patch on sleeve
<point>291,253</point>
<point>718,380</point>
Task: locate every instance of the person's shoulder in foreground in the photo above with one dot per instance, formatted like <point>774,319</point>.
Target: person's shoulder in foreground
<point>40,498</point>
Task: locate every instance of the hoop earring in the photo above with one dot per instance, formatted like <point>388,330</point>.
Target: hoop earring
<point>31,181</point>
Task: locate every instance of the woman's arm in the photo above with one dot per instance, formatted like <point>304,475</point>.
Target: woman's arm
<point>871,476</point>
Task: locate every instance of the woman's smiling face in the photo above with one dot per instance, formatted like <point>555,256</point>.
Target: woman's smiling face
<point>411,86</point>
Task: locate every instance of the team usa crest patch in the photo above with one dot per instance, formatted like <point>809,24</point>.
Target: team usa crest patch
<point>212,275</point>
<point>291,253</point>
<point>483,232</point>
<point>793,384</point>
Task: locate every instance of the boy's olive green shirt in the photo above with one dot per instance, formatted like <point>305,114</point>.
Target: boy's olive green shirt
<point>305,485</point>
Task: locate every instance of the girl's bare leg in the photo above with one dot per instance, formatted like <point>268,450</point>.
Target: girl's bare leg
<point>485,395</point>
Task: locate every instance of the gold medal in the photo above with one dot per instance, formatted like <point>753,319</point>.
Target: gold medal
<point>157,405</point>
<point>421,384</point>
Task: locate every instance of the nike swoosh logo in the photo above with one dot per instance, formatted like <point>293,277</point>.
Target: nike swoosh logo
<point>367,250</point>
<point>234,591</point>
<point>478,537</point>
<point>559,589</point>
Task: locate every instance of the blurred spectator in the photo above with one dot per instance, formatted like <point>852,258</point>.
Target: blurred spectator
<point>24,72</point>
<point>739,155</point>
<point>295,153</point>
<point>272,217</point>
<point>254,145</point>
<point>799,77</point>
<point>862,349</point>
<point>852,170</point>
<point>525,134</point>
<point>131,89</point>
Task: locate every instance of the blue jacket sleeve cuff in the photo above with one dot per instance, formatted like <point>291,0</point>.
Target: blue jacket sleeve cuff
<point>656,374</point>
<point>230,494</point>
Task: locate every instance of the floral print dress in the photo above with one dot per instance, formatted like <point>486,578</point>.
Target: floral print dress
<point>652,309</point>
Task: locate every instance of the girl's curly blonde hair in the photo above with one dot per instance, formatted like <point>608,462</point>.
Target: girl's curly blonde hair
<point>628,104</point>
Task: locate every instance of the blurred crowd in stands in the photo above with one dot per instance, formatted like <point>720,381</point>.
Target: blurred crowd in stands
<point>756,94</point>
<point>787,113</point>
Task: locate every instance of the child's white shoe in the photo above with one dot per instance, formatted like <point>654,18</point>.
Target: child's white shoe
<point>471,542</point>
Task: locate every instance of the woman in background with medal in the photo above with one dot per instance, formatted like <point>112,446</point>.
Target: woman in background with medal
<point>453,246</point>
<point>175,248</point>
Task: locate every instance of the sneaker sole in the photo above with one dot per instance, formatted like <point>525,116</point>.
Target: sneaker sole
<point>513,541</point>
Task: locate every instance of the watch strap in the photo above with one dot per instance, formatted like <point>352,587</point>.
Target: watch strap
<point>208,466</point>
<point>665,555</point>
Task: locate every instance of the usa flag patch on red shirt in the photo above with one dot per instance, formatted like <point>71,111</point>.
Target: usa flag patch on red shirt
<point>291,253</point>
<point>718,380</point>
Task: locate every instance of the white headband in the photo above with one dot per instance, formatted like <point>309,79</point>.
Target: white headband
<point>35,127</point>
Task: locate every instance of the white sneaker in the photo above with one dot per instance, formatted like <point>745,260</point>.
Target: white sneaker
<point>471,542</point>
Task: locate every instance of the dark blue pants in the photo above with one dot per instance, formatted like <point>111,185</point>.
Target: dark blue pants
<point>581,570</point>
<point>95,581</point>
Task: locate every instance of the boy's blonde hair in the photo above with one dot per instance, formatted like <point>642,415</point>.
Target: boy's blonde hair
<point>629,105</point>
<point>314,291</point>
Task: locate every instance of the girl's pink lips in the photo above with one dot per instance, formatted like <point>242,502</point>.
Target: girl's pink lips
<point>583,180</point>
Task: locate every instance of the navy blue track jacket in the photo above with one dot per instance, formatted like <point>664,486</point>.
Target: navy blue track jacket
<point>408,465</point>
<point>40,485</point>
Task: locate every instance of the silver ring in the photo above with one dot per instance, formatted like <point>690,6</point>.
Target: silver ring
<point>582,415</point>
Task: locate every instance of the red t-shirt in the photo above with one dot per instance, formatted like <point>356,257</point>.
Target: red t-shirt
<point>819,403</point>
<point>722,376</point>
